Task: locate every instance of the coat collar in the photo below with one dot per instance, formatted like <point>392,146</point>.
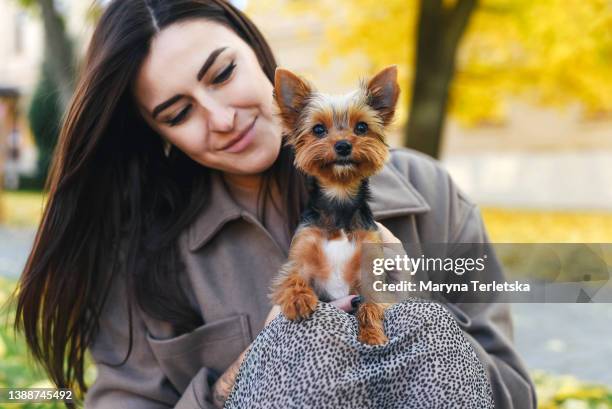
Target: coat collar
<point>219,209</point>
<point>392,195</point>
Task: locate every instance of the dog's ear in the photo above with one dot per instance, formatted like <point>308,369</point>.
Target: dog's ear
<point>383,92</point>
<point>291,94</point>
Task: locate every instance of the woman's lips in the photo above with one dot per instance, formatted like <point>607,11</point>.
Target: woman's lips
<point>243,140</point>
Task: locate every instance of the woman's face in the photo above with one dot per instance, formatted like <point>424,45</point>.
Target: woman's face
<point>202,88</point>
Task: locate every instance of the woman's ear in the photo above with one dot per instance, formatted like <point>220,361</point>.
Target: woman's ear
<point>383,92</point>
<point>291,94</point>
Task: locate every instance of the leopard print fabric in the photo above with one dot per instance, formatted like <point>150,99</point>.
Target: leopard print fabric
<point>319,363</point>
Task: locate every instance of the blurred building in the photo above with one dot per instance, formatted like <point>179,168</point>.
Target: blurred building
<point>21,53</point>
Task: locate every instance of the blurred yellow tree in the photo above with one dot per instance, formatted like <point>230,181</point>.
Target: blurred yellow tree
<point>467,57</point>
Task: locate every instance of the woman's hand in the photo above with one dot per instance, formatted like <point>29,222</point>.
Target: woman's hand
<point>386,235</point>
<point>392,247</point>
<point>272,314</point>
<point>390,242</point>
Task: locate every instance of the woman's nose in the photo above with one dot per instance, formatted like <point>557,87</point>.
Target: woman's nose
<point>221,117</point>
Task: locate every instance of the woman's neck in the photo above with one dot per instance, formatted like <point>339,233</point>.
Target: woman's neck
<point>243,182</point>
<point>244,189</point>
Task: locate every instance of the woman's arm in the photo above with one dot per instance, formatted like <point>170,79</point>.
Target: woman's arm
<point>488,327</point>
<point>139,383</point>
<point>223,386</point>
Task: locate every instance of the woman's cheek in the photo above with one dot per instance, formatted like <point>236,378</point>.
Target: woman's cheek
<point>190,138</point>
<point>250,89</point>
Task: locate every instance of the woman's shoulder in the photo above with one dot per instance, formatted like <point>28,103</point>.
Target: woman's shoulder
<point>421,173</point>
<point>405,158</point>
<point>415,183</point>
<point>428,175</point>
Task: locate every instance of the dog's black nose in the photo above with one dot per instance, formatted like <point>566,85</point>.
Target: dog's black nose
<point>343,148</point>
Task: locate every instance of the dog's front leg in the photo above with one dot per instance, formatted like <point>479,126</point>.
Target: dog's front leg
<point>370,317</point>
<point>306,264</point>
<point>295,296</point>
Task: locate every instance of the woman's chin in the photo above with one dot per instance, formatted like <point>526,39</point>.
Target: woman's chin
<point>250,164</point>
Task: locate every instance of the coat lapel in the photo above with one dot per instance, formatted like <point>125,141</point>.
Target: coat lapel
<point>219,210</point>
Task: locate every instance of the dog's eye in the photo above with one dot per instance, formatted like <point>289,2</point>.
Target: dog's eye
<point>361,128</point>
<point>319,130</point>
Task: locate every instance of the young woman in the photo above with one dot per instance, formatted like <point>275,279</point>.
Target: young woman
<point>172,204</point>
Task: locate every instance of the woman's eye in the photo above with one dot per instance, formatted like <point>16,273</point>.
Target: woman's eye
<point>225,74</point>
<point>180,116</point>
<point>319,130</point>
<point>361,128</point>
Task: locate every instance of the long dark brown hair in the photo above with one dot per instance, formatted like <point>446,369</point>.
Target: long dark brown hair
<point>111,183</point>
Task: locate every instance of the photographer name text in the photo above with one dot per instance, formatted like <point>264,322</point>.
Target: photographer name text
<point>429,286</point>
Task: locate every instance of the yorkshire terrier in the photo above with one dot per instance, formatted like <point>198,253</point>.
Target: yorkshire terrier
<point>339,143</point>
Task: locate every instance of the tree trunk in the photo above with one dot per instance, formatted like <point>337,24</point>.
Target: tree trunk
<point>440,29</point>
<point>58,51</point>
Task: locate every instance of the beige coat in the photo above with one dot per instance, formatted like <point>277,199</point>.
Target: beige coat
<point>231,258</point>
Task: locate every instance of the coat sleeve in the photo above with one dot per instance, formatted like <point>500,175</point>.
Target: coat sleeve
<point>488,325</point>
<point>138,383</point>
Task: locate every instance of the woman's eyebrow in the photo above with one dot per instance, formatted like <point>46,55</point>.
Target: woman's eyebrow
<point>165,105</point>
<point>207,64</point>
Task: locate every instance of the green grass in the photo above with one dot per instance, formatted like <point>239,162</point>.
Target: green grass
<point>567,392</point>
<point>17,370</point>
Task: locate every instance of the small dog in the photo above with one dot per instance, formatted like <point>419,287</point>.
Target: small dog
<point>339,143</point>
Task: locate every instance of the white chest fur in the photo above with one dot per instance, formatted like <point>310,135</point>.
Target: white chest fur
<point>338,253</point>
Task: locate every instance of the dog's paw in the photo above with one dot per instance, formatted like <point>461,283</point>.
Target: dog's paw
<point>370,317</point>
<point>372,336</point>
<point>295,297</point>
<point>300,305</point>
